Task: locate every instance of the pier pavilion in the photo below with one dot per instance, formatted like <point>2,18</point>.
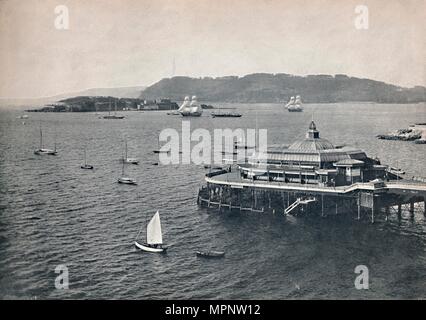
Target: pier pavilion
<point>313,160</point>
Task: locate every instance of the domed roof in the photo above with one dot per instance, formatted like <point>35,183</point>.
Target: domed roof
<point>311,145</point>
<point>312,142</point>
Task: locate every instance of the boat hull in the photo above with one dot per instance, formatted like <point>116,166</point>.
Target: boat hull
<point>131,161</point>
<point>113,117</point>
<point>126,181</point>
<point>210,254</point>
<point>226,115</point>
<point>192,114</point>
<point>148,248</point>
<point>49,152</point>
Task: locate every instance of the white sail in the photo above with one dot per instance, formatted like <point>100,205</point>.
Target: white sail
<point>290,103</point>
<point>185,105</point>
<point>195,108</point>
<point>298,100</point>
<point>153,230</point>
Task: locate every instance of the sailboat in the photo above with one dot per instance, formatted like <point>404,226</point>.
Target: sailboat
<point>85,165</point>
<point>294,105</point>
<point>129,160</point>
<point>114,116</point>
<point>154,238</point>
<point>43,151</point>
<point>192,109</point>
<point>125,180</point>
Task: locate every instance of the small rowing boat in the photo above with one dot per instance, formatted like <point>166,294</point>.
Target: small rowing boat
<point>210,254</point>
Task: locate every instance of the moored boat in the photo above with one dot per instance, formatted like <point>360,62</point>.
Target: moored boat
<point>85,165</point>
<point>226,115</point>
<point>210,254</point>
<point>113,116</point>
<point>126,180</point>
<point>44,151</point>
<point>126,159</point>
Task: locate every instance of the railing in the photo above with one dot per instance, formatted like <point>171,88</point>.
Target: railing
<point>292,206</point>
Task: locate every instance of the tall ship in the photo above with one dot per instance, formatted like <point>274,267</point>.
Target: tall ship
<point>294,105</point>
<point>113,116</point>
<point>190,108</point>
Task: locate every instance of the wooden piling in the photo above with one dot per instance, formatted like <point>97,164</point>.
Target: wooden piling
<point>424,208</point>
<point>359,209</point>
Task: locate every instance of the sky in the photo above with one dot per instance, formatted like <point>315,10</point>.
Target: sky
<point>118,43</point>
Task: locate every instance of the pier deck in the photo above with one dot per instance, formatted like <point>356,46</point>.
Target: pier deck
<point>228,190</point>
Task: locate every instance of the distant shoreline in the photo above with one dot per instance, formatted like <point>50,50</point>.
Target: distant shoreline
<point>31,108</point>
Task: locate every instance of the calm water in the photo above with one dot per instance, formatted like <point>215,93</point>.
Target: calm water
<point>52,212</point>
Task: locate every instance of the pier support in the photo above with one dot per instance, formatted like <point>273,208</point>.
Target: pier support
<point>359,207</point>
<point>399,211</point>
<point>372,210</point>
<point>322,205</point>
<point>269,200</point>
<point>359,212</point>
<point>411,209</point>
<point>424,208</point>
<point>386,213</point>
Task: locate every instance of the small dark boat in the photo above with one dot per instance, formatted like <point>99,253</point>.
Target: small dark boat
<point>226,115</point>
<point>210,254</point>
<point>114,116</point>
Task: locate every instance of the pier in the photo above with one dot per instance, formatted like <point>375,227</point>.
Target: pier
<point>345,182</point>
